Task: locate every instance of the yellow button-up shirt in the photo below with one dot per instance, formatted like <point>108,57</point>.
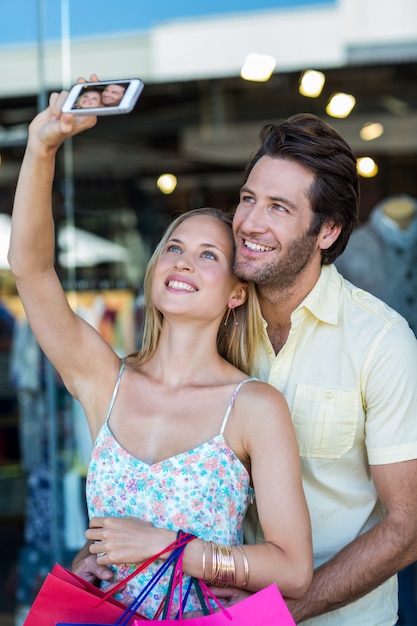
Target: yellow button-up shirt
<point>348,371</point>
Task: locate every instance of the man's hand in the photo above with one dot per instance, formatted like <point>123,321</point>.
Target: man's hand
<point>230,595</point>
<point>85,565</point>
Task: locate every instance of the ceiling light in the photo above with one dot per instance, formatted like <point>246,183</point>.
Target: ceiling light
<point>340,105</point>
<point>371,130</point>
<point>258,67</point>
<point>166,183</point>
<point>311,83</point>
<point>367,168</point>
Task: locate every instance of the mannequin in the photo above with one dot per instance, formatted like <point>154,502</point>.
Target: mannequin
<point>400,209</point>
<point>381,256</point>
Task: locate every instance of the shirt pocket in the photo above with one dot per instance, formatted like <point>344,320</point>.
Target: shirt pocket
<point>325,421</point>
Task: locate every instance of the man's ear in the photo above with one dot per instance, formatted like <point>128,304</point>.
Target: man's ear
<point>239,296</point>
<point>329,232</point>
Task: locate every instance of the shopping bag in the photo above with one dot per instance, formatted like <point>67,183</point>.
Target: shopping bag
<point>173,563</point>
<point>263,608</point>
<point>66,598</point>
<point>64,595</point>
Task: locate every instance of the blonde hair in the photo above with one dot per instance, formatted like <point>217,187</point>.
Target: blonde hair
<point>240,333</point>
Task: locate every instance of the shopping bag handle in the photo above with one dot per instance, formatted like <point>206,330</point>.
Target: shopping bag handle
<point>178,543</point>
<point>133,607</point>
<point>174,560</point>
<point>204,593</point>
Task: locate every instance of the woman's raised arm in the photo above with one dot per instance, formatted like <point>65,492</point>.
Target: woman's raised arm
<point>74,347</point>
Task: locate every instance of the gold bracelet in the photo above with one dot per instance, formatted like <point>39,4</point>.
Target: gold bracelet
<point>204,560</point>
<point>245,566</point>
<point>223,570</point>
<point>228,568</point>
<point>214,562</point>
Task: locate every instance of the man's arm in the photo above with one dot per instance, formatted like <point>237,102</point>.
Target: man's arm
<point>373,557</point>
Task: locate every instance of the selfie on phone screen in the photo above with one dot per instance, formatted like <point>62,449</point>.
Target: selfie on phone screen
<point>103,98</point>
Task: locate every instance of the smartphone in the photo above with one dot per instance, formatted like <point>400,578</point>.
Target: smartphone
<point>108,97</point>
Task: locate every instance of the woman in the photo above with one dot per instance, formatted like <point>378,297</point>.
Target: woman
<point>182,436</point>
<point>90,99</point>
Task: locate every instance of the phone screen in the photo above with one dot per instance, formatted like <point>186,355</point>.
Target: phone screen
<point>103,98</point>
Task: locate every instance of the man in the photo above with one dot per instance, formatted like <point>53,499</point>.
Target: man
<point>112,95</point>
<point>346,364</point>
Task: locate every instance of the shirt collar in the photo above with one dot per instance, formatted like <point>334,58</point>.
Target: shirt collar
<point>323,299</point>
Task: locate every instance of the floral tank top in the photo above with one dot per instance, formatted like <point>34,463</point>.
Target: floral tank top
<point>205,491</point>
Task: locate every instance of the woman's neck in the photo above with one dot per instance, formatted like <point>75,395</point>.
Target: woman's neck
<point>186,355</point>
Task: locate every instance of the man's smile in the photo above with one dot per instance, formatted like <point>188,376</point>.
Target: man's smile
<point>257,247</point>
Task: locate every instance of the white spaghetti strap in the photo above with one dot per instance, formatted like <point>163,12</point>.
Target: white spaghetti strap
<point>232,401</point>
<point>115,390</point>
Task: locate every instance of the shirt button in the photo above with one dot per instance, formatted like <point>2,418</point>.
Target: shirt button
<point>329,395</point>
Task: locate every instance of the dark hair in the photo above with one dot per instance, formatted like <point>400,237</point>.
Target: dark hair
<point>89,88</point>
<point>124,85</point>
<point>313,144</point>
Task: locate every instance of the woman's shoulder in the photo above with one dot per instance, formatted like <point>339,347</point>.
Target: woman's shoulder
<point>261,414</point>
<point>256,389</point>
<point>262,394</point>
